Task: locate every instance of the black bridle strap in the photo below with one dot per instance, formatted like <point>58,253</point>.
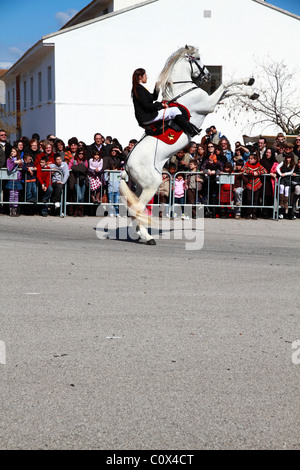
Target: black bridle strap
<point>183,93</point>
<point>202,73</point>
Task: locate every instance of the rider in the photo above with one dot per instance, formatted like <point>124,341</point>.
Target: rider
<point>148,110</point>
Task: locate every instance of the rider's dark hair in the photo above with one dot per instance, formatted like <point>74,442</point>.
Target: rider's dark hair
<point>135,80</point>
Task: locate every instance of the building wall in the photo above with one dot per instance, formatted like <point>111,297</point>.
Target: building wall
<point>94,63</point>
<point>37,108</point>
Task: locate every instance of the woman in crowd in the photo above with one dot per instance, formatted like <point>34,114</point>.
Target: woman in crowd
<point>285,170</point>
<point>267,162</point>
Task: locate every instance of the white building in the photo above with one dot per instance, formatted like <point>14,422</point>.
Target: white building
<point>77,81</point>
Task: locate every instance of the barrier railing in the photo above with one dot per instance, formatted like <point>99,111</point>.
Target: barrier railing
<point>21,199</point>
<point>208,192</point>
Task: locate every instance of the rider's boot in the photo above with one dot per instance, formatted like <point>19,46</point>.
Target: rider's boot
<point>186,126</point>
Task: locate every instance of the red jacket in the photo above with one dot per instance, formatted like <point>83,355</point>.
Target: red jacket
<point>44,177</point>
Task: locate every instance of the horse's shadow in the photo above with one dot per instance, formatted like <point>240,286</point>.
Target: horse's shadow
<point>122,234</point>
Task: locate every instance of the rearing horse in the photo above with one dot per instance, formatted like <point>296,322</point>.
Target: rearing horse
<point>145,163</point>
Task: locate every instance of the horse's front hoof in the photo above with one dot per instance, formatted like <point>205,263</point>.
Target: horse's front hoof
<point>251,81</point>
<point>151,242</point>
<point>255,96</point>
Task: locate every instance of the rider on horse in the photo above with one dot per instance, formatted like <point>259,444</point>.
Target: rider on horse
<point>148,110</point>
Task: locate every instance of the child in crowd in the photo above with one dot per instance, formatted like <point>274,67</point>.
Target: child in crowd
<point>179,192</point>
<point>285,170</point>
<point>29,170</point>
<point>253,169</point>
<point>94,175</point>
<point>164,192</point>
<point>59,179</point>
<point>14,165</point>
<point>44,179</point>
<point>113,178</point>
<point>193,185</point>
<point>226,192</point>
<point>240,181</point>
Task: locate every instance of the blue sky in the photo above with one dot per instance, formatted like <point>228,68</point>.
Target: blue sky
<point>24,22</point>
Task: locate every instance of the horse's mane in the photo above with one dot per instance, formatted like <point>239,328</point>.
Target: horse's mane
<point>164,81</point>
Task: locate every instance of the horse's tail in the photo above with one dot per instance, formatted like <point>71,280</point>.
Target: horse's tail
<point>132,202</point>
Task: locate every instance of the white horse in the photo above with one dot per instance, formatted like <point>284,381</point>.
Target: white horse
<point>146,161</point>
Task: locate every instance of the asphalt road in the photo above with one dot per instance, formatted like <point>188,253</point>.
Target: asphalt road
<point>111,344</point>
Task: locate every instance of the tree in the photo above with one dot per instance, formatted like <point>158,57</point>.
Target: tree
<point>278,101</point>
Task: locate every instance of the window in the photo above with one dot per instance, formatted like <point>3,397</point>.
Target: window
<point>31,92</point>
<point>24,94</point>
<point>40,87</point>
<point>215,81</point>
<point>49,77</point>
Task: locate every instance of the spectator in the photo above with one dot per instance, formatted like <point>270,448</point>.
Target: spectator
<point>279,141</point>
<point>44,179</point>
<point>201,155</point>
<point>206,139</point>
<point>59,147</point>
<point>164,192</point>
<point>211,168</point>
<point>34,149</point>
<point>113,178</point>
<point>226,150</point>
<point>20,146</point>
<point>226,192</point>
<point>253,169</point>
<point>191,150</point>
<point>267,162</point>
<point>179,192</point>
<point>240,152</point>
<point>97,145</point>
<point>29,171</point>
<point>94,175</point>
<point>69,159</point>
<point>181,160</point>
<point>215,136</point>
<point>14,165</point>
<point>79,173</point>
<point>262,146</point>
<point>130,146</point>
<point>296,149</point>
<point>193,186</point>
<point>285,170</point>
<point>47,152</point>
<point>295,189</point>
<point>71,150</point>
<point>240,181</point>
<point>219,153</point>
<point>59,179</point>
<point>5,148</point>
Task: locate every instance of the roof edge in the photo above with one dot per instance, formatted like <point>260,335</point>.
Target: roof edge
<point>99,18</point>
<point>280,10</point>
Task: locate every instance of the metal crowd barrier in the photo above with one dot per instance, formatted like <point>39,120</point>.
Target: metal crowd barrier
<point>6,175</point>
<point>209,200</point>
<point>204,198</point>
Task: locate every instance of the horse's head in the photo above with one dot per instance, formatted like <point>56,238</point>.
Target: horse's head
<point>199,73</point>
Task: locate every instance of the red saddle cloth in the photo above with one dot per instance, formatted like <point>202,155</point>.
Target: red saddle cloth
<point>164,131</point>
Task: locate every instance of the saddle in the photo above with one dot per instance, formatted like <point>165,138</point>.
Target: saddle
<point>167,131</point>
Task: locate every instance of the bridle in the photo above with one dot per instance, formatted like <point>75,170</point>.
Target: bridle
<point>197,81</point>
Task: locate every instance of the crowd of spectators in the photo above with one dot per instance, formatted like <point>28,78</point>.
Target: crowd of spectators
<point>91,173</point>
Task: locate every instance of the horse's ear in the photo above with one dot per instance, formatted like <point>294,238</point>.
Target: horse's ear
<point>187,47</point>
